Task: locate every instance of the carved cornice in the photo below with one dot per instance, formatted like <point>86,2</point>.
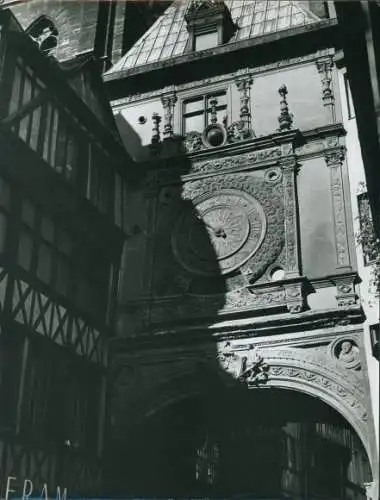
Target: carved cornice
<point>174,347</point>
<point>279,148</point>
<point>249,154</point>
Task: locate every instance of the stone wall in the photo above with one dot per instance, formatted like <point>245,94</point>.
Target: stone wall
<point>75,21</point>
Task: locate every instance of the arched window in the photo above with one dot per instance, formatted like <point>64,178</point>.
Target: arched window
<point>44,33</point>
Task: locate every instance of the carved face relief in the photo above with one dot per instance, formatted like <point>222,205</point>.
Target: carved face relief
<point>347,352</point>
<point>226,231</point>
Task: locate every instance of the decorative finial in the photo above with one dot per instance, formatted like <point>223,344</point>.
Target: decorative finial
<point>156,137</point>
<point>213,104</point>
<point>285,119</point>
<point>156,118</point>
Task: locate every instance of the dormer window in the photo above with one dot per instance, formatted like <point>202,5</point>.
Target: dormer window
<point>206,40</point>
<point>209,24</point>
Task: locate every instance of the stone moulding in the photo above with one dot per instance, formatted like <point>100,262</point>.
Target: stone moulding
<point>253,154</point>
<point>311,373</point>
<point>288,296</point>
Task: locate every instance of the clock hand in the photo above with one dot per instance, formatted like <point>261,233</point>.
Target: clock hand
<point>218,232</point>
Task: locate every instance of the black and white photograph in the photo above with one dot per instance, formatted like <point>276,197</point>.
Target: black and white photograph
<point>189,249</point>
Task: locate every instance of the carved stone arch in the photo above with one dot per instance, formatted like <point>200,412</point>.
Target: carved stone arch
<point>313,374</point>
<point>322,378</point>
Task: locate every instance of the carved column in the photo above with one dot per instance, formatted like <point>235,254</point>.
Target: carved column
<point>168,102</point>
<point>243,85</point>
<point>334,160</point>
<point>289,169</point>
<point>325,66</point>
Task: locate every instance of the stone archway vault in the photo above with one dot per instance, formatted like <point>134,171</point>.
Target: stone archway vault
<point>319,376</point>
<point>313,373</point>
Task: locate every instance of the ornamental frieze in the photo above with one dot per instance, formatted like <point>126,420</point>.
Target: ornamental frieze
<point>235,162</point>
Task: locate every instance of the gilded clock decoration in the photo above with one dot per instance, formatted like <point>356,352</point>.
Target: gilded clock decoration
<point>223,231</point>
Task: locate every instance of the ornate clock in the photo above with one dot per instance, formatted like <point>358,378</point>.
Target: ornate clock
<point>223,231</point>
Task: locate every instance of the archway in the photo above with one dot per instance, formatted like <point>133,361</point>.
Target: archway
<point>261,443</point>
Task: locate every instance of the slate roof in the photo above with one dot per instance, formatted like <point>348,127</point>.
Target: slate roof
<point>168,36</point>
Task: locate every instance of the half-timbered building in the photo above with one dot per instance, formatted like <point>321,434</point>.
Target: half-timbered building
<point>61,214</point>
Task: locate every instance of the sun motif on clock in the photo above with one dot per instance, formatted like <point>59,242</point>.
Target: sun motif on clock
<point>220,234</point>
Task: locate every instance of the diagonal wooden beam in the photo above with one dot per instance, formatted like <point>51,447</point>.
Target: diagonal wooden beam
<point>25,109</point>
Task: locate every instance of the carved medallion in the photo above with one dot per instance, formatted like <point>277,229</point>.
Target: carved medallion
<point>221,234</point>
<point>346,351</point>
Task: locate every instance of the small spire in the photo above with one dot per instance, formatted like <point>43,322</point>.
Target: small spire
<point>156,118</point>
<point>156,137</point>
<point>285,119</point>
<point>213,104</point>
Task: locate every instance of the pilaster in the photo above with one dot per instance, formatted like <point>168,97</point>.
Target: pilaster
<point>289,170</point>
<point>325,66</point>
<point>334,161</point>
<point>168,103</point>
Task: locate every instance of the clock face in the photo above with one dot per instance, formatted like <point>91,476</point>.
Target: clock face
<point>220,234</point>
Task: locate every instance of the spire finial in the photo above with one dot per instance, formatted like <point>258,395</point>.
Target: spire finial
<point>285,119</point>
<point>156,137</point>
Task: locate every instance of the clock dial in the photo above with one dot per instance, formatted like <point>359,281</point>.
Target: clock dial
<point>224,231</point>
